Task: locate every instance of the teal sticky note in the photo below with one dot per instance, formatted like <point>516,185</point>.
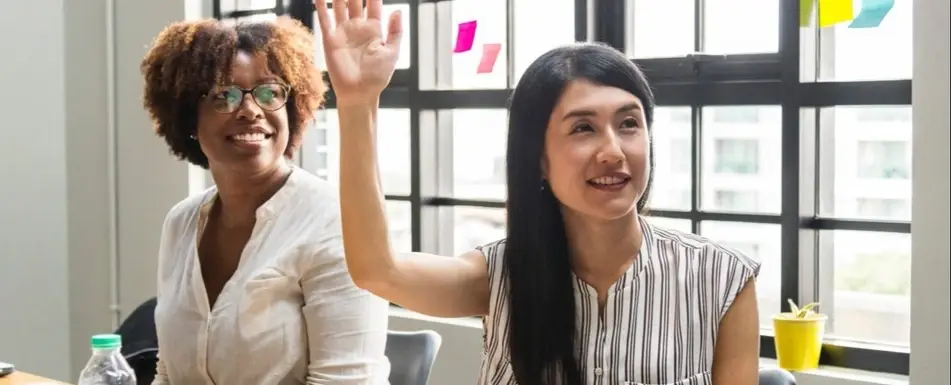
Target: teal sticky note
<point>872,13</point>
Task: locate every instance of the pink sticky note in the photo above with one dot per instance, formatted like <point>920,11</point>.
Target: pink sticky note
<point>490,52</point>
<point>465,36</point>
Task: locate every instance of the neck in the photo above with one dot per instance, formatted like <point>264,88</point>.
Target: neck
<point>240,194</point>
<point>602,246</point>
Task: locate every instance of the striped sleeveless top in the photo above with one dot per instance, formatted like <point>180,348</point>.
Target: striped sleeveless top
<point>660,320</point>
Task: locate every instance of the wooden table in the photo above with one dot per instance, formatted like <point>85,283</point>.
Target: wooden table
<point>23,378</point>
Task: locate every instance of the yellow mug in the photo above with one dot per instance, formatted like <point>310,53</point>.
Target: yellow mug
<point>798,340</point>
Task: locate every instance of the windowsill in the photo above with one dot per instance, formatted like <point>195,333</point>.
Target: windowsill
<point>841,376</point>
<point>825,375</point>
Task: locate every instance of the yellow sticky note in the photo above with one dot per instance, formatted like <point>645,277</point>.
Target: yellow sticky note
<point>832,12</point>
<point>805,12</point>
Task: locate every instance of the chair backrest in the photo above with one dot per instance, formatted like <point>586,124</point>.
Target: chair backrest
<point>775,376</point>
<point>411,356</point>
<point>139,341</point>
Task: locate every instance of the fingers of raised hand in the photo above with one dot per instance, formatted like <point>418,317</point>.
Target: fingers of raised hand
<point>356,8</point>
<point>323,18</point>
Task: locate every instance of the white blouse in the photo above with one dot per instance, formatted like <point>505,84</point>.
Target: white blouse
<point>660,321</point>
<point>289,315</point>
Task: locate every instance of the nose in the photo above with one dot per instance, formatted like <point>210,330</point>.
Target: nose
<point>610,151</point>
<point>248,109</point>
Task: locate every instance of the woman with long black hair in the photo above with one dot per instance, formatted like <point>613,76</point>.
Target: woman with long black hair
<point>583,290</point>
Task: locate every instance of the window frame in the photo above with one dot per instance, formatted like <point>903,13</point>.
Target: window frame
<point>693,81</point>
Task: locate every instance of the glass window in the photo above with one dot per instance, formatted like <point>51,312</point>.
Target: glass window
<point>228,6</point>
<point>884,159</point>
<point>737,200</point>
<point>757,32</point>
<point>879,208</point>
<point>865,162</point>
<point>666,28</point>
<point>881,53</point>
<point>741,153</point>
<point>476,226</point>
<point>399,219</point>
<point>760,242</point>
<point>872,275</point>
<point>199,179</point>
<point>401,63</point>
<point>682,225</point>
<point>672,160</point>
<point>533,35</point>
<point>479,140</point>
<point>736,156</point>
<point>393,149</point>
<point>662,28</point>
<point>490,16</point>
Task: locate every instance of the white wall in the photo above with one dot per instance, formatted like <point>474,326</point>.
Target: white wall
<point>931,262</point>
<point>58,221</point>
<point>33,230</point>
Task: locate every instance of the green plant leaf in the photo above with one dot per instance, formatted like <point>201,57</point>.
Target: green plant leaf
<point>802,312</point>
<point>806,311</point>
<point>792,307</point>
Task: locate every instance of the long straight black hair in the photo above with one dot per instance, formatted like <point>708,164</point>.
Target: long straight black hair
<point>541,328</point>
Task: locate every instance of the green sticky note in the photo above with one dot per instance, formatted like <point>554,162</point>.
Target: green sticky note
<point>805,12</point>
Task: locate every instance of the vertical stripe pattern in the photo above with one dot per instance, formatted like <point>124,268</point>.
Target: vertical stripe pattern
<point>660,320</point>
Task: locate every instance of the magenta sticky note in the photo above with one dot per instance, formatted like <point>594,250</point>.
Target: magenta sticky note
<point>490,53</point>
<point>465,36</point>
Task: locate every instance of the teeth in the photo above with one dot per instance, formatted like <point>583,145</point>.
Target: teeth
<point>607,180</point>
<point>250,137</point>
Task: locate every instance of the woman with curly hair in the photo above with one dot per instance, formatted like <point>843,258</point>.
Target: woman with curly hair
<point>252,285</point>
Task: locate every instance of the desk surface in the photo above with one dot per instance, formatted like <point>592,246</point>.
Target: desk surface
<point>23,378</point>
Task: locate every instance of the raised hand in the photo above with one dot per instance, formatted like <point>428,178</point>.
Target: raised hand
<point>360,60</point>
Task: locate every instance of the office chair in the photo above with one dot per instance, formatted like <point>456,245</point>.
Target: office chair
<point>411,356</point>
<point>775,376</point>
<point>139,341</point>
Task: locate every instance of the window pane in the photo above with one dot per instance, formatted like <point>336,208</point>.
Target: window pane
<point>866,167</point>
<point>479,139</point>
<point>490,16</point>
<point>662,28</point>
<point>393,149</point>
<point>762,243</point>
<point>881,53</point>
<point>399,219</point>
<point>758,32</point>
<point>534,35</point>
<point>402,62</point>
<point>476,226</point>
<point>199,179</point>
<point>872,276</point>
<point>245,5</point>
<point>672,161</point>
<point>683,225</point>
<point>741,159</point>
<point>249,19</point>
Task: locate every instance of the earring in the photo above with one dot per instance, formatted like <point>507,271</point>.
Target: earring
<point>543,185</point>
<point>193,137</point>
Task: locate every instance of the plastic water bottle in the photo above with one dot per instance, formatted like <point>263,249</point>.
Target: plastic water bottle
<point>107,366</point>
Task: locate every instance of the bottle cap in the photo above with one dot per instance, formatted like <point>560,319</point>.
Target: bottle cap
<point>106,341</point>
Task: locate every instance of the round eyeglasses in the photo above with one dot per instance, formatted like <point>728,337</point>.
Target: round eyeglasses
<point>268,96</point>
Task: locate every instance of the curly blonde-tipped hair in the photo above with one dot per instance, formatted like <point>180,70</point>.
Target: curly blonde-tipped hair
<point>188,59</point>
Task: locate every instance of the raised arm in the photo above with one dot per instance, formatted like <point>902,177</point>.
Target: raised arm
<point>360,63</point>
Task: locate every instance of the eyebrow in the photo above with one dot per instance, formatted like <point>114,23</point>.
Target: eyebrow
<point>584,113</point>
